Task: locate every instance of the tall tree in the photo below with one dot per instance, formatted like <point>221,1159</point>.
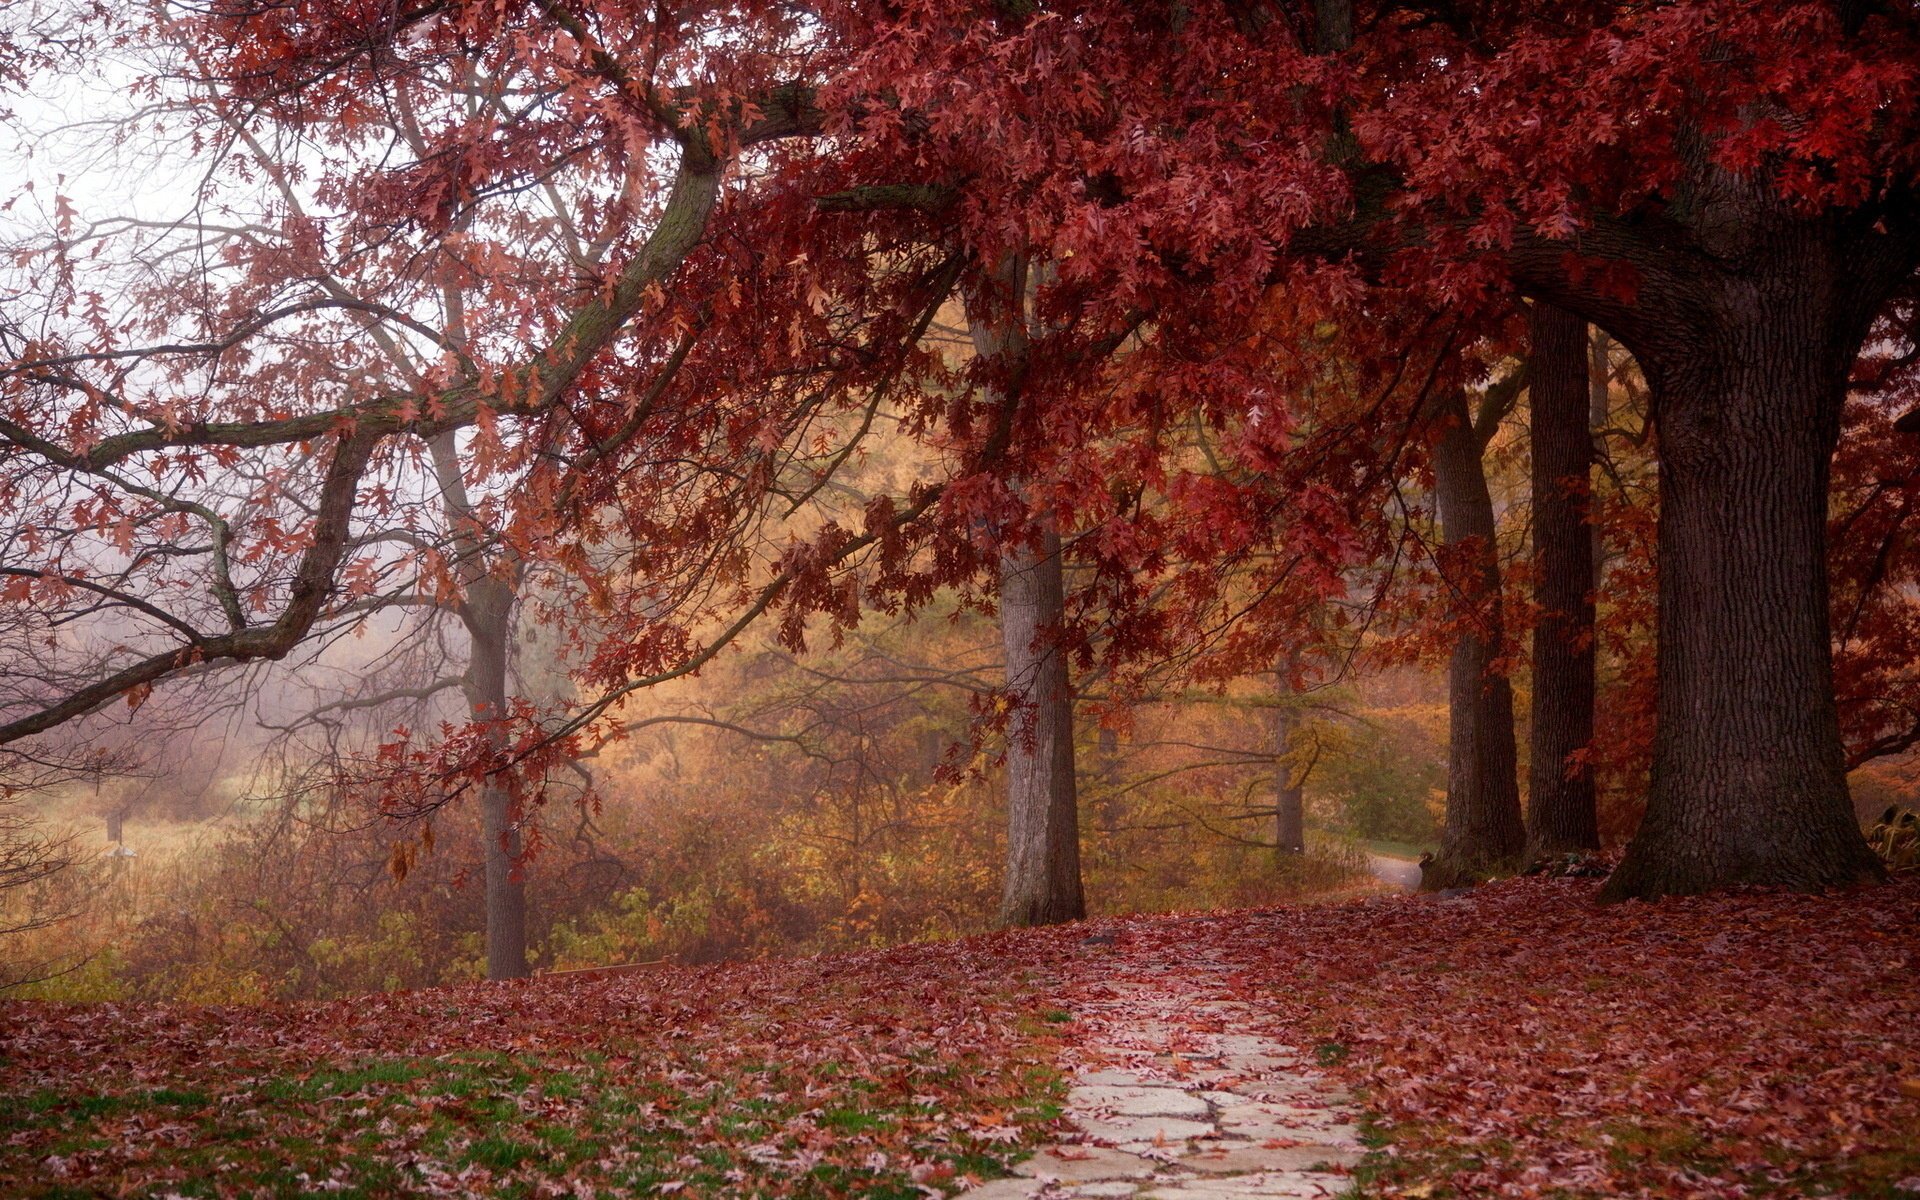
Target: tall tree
<point>1483,831</point>
<point>252,463</point>
<point>488,593</point>
<point>1561,813</point>
<point>1290,774</point>
<point>1042,882</point>
<point>1747,340</point>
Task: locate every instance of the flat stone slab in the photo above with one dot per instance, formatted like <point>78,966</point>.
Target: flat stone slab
<point>1245,1158</point>
<point>1253,1129</point>
<point>1112,1078</point>
<point>1122,1131</point>
<point>1138,1101</point>
<point>1256,1064</point>
<point>1244,1043</point>
<point>1226,1099</point>
<point>1284,1079</point>
<point>1307,1125</point>
<point>1190,1073</point>
<point>1281,1187</point>
<point>1005,1189</point>
<point>1084,1164</point>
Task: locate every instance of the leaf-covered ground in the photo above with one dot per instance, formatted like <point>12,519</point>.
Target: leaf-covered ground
<point>1518,1041</point>
<point>863,1075</point>
<point>1523,1041</point>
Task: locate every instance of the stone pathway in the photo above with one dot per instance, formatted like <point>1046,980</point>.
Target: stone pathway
<point>1173,1099</point>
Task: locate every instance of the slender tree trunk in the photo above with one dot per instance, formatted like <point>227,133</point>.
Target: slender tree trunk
<point>1042,884</point>
<point>489,620</point>
<point>933,746</point>
<point>1749,776</point>
<point>487,613</point>
<point>1106,797</point>
<point>1483,833</point>
<point>1289,790</point>
<point>1107,755</point>
<point>1561,814</point>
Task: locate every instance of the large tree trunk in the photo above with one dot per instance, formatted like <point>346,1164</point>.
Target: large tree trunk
<point>1042,885</point>
<point>1483,833</point>
<point>1561,815</point>
<point>1749,778</point>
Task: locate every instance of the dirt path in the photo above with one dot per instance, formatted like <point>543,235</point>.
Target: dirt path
<point>1176,1095</point>
<point>1400,872</point>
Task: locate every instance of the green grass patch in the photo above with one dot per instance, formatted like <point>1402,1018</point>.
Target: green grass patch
<point>179,1099</point>
<point>382,1073</point>
<point>501,1154</point>
<point>381,1127</point>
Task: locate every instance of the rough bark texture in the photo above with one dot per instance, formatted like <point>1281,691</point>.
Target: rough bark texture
<point>1042,884</point>
<point>1749,777</point>
<point>1483,833</point>
<point>1561,815</point>
<point>1746,315</point>
<point>1333,26</point>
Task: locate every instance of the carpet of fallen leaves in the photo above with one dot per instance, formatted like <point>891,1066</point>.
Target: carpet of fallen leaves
<point>1516,1041</point>
<point>879,1074</point>
<point>1522,1040</point>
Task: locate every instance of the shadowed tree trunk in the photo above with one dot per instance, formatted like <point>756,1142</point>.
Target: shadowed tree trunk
<point>1333,26</point>
<point>1042,885</point>
<point>1599,415</point>
<point>1749,776</point>
<point>1483,833</point>
<point>1560,804</point>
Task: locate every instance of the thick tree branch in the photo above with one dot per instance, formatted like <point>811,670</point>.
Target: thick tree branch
<point>313,582</point>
